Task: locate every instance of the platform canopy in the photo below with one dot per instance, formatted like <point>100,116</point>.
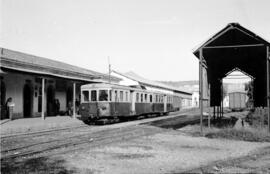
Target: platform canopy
<point>235,47</point>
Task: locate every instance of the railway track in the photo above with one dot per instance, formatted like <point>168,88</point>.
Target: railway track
<point>70,139</point>
<point>40,133</point>
<point>77,142</point>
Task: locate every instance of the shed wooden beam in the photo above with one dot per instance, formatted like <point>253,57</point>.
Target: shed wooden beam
<point>235,46</point>
<point>268,84</point>
<point>201,88</point>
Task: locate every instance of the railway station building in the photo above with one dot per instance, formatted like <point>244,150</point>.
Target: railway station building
<point>39,87</point>
<point>134,80</point>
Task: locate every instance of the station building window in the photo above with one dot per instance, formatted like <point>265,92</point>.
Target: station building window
<point>93,95</point>
<point>103,95</point>
<point>85,95</point>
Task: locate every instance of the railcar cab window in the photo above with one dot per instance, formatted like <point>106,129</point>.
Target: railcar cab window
<point>93,95</point>
<point>85,95</point>
<point>103,95</point>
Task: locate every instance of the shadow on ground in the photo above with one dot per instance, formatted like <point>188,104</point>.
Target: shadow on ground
<point>37,165</point>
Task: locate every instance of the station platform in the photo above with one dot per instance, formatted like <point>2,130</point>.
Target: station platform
<point>25,125</point>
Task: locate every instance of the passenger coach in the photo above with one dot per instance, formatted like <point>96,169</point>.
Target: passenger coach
<point>115,101</point>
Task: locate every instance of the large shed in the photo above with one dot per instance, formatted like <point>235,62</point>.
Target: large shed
<point>235,47</point>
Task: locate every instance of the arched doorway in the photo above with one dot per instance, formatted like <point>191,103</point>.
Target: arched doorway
<point>27,100</point>
<point>3,100</point>
<point>50,101</point>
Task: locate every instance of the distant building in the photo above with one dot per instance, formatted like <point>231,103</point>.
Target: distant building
<point>132,79</point>
<point>35,83</point>
<point>189,86</point>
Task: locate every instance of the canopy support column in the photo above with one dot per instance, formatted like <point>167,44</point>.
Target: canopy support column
<point>43,99</point>
<point>268,85</point>
<point>74,100</point>
<point>201,88</point>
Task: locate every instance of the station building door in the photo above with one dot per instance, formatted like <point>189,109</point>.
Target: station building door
<point>50,101</point>
<point>3,100</point>
<point>27,100</point>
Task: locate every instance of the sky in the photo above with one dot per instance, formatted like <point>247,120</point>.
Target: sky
<point>153,38</point>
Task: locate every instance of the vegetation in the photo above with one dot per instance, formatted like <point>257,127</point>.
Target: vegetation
<point>241,134</point>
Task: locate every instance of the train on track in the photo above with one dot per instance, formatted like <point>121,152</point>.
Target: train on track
<point>111,101</point>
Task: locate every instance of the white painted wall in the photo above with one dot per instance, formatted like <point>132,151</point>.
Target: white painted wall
<point>195,99</point>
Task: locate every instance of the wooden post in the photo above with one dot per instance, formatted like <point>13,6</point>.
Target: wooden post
<point>209,111</point>
<point>222,97</point>
<point>43,99</point>
<point>74,100</point>
<point>214,112</point>
<point>201,89</point>
<point>165,103</point>
<point>268,84</point>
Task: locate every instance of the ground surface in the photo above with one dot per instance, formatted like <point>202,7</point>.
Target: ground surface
<point>130,147</point>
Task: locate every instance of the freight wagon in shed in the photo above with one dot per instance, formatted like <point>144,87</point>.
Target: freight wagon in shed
<point>237,101</point>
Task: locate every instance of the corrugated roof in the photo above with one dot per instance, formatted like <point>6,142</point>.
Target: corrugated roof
<point>30,63</point>
<point>225,29</point>
<point>134,76</point>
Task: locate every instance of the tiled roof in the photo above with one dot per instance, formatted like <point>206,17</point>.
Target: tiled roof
<point>29,63</point>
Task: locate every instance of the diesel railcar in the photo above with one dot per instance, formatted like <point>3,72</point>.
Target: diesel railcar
<point>105,101</point>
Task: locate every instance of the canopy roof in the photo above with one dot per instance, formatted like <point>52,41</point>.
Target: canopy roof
<point>235,47</point>
<point>18,61</point>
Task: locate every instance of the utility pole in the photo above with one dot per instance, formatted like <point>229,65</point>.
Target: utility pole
<point>109,69</point>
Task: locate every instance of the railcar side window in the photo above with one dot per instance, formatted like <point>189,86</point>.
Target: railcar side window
<point>145,97</point>
<point>121,96</point>
<point>150,98</point>
<point>115,96</point>
<point>126,96</point>
<point>110,95</point>
<point>93,95</point>
<point>103,95</point>
<point>85,96</point>
<point>137,97</point>
<point>141,97</point>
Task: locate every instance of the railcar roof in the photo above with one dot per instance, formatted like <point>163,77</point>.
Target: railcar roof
<point>113,86</point>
